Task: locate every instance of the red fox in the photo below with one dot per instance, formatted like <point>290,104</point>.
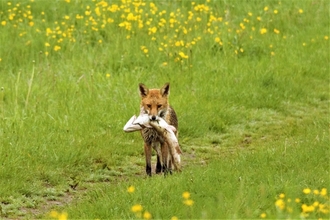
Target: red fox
<point>154,102</point>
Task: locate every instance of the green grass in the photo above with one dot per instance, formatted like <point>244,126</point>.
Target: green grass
<point>253,108</point>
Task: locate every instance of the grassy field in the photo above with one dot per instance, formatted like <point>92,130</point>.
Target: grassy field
<point>249,82</point>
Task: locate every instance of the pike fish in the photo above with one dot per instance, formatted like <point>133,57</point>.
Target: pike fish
<point>164,129</point>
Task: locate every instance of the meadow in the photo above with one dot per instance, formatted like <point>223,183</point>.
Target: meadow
<point>249,82</point>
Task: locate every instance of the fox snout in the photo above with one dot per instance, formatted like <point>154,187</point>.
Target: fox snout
<point>153,117</point>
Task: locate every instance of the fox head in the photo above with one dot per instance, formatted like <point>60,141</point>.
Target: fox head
<point>154,101</point>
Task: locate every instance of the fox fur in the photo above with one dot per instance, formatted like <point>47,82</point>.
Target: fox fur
<point>155,103</point>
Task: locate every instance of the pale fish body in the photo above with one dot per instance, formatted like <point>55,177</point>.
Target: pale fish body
<point>167,131</point>
<point>129,127</point>
<point>137,123</point>
<point>142,120</point>
<point>164,129</point>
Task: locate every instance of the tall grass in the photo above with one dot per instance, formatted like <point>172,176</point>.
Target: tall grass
<point>249,82</point>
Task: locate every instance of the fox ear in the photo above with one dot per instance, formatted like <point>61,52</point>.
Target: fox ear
<point>165,90</point>
<point>143,90</point>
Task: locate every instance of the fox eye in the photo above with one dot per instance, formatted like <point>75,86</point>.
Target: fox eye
<point>149,106</point>
<point>159,106</point>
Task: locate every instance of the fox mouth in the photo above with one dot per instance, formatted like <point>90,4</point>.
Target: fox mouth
<point>156,117</point>
<point>153,118</point>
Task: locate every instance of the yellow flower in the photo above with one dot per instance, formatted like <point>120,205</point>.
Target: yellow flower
<point>114,8</point>
<point>323,208</point>
<point>266,8</point>
<point>263,215</point>
<point>263,31</point>
<point>177,43</point>
<point>323,192</point>
<point>131,17</point>
<point>174,218</point>
<point>316,204</point>
<point>53,214</point>
<point>326,38</point>
<point>316,192</point>
<point>186,195</point>
<point>250,14</point>
<point>97,11</point>
<point>188,202</point>
<point>276,31</point>
<point>3,23</point>
<point>63,216</point>
<point>182,55</point>
<point>103,4</point>
<point>136,208</point>
<point>282,196</point>
<point>152,30</point>
<point>47,44</point>
<point>48,31</point>
<point>307,191</point>
<point>11,17</point>
<point>108,76</point>
<point>140,24</point>
<point>297,200</point>
<point>301,11</point>
<point>275,11</point>
<point>68,1</point>
<point>259,18</point>
<point>59,216</point>
<point>305,208</point>
<point>280,204</point>
<point>57,48</point>
<point>147,215</point>
<point>130,189</point>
